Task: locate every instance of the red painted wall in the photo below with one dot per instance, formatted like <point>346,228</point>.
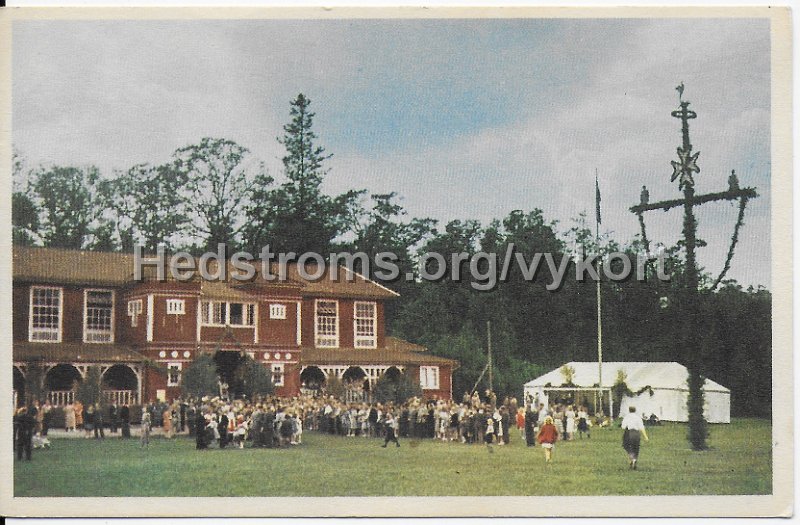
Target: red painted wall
<point>278,332</point>
<point>174,327</point>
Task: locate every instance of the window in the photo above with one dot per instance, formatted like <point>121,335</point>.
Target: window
<point>221,313</point>
<point>326,324</point>
<point>176,306</point>
<point>277,375</point>
<point>364,322</point>
<point>174,374</point>
<point>277,311</point>
<point>45,314</point>
<point>98,325</point>
<point>134,311</point>
<point>429,377</point>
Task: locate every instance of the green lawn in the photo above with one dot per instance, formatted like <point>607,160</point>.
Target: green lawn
<point>739,462</point>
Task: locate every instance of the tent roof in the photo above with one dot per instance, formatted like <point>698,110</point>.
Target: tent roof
<point>665,375</point>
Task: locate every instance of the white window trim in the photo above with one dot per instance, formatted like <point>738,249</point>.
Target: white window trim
<point>170,366</point>
<point>316,324</point>
<point>373,338</point>
<point>299,323</point>
<point>60,313</point>
<point>86,315</point>
<point>423,377</point>
<point>139,307</point>
<point>150,320</point>
<point>278,368</point>
<point>279,307</point>
<point>228,314</point>
<point>176,306</point>
<point>136,311</point>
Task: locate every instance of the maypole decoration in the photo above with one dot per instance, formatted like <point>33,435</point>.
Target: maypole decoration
<point>683,170</point>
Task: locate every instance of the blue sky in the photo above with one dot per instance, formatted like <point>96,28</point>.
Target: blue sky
<point>463,118</point>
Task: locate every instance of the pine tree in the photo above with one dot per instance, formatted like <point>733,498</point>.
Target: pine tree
<point>297,216</point>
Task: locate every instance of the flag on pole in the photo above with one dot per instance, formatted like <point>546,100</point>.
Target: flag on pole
<point>597,197</point>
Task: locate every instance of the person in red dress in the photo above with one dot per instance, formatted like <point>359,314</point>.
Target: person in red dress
<point>547,437</point>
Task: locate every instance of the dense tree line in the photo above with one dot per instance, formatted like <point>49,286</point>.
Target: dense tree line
<point>214,192</point>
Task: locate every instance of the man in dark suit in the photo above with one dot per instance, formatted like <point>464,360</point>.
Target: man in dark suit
<point>223,430</point>
<point>24,425</point>
<point>531,417</point>
<point>201,441</point>
<point>269,428</point>
<point>99,433</point>
<point>125,418</point>
<point>184,408</point>
<point>113,418</point>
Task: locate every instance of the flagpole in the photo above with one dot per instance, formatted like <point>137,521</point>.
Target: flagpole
<point>599,303</point>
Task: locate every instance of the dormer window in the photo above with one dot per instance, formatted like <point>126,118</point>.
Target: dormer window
<point>326,324</point>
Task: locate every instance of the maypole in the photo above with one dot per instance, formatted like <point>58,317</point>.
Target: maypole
<point>599,302</point>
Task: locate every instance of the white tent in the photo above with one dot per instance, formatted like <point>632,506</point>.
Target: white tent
<point>666,396</point>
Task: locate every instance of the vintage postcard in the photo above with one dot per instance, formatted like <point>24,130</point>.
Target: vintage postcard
<point>396,262</point>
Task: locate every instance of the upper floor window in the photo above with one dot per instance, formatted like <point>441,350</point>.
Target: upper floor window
<point>134,311</point>
<point>98,315</point>
<point>326,324</point>
<point>176,306</point>
<point>277,311</point>
<point>364,325</point>
<point>429,377</point>
<point>45,315</point>
<point>224,313</point>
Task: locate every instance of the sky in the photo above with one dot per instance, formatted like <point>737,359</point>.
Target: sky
<point>464,119</point>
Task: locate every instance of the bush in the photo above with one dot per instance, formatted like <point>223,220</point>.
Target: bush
<point>200,377</point>
<point>90,390</point>
<point>398,390</point>
<point>256,379</point>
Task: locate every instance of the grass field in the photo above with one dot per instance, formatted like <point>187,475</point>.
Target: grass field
<point>739,462</point>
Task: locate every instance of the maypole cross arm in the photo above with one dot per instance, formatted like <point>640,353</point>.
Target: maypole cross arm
<point>729,195</point>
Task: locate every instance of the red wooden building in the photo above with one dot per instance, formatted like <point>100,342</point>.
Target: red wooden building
<point>76,309</point>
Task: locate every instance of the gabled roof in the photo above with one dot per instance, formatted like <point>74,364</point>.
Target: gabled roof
<point>665,375</point>
<point>60,266</point>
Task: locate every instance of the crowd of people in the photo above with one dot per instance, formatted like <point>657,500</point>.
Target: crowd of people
<point>273,422</point>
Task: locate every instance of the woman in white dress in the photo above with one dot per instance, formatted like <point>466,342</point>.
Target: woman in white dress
<point>569,423</point>
<point>69,418</point>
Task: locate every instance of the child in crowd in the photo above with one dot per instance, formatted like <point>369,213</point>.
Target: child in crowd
<point>548,435</point>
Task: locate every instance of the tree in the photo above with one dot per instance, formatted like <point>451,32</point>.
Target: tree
<point>69,204</point>
<point>334,387</point>
<point>24,219</point>
<point>90,390</point>
<point>216,188</point>
<point>35,387</point>
<point>200,377</point>
<point>147,205</point>
<point>396,390</point>
<point>297,216</point>
<point>256,379</point>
